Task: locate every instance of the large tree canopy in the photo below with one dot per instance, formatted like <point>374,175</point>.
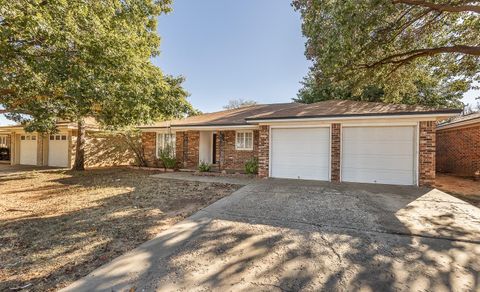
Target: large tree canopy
<point>72,59</point>
<point>399,51</point>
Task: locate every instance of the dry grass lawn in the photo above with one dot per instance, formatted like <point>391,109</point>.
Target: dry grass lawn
<point>465,189</point>
<point>58,226</point>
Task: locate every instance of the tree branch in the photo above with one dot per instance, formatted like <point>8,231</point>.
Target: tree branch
<point>403,58</point>
<point>440,7</point>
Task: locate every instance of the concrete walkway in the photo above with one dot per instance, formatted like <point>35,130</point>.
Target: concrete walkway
<point>287,235</point>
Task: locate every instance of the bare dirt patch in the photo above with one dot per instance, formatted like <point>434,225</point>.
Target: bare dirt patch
<point>58,226</point>
<point>463,188</point>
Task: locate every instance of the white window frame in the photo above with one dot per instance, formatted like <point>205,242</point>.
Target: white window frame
<point>162,146</point>
<point>244,147</point>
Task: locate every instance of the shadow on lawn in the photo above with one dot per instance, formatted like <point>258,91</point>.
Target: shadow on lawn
<point>67,246</point>
<point>238,252</point>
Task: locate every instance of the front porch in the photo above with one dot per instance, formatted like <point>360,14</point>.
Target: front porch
<point>224,149</point>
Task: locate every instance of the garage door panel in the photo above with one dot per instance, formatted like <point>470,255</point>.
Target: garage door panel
<point>300,153</point>
<point>378,154</point>
<point>379,134</point>
<point>381,162</point>
<point>400,149</point>
<point>378,176</point>
<point>58,150</point>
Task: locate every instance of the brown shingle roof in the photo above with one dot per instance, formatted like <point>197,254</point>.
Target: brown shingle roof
<point>330,108</point>
<point>339,108</point>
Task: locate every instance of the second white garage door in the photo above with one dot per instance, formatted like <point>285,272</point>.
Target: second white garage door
<point>379,155</point>
<point>58,150</point>
<point>301,153</point>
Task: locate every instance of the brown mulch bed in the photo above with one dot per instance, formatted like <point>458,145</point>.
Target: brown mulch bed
<point>466,189</point>
<point>57,226</point>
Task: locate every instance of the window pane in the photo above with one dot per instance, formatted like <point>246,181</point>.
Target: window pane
<point>240,140</point>
<point>248,140</point>
<point>52,137</point>
<point>34,137</point>
<point>22,138</point>
<point>159,143</point>
<point>64,137</point>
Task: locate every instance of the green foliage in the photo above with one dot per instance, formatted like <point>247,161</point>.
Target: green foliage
<point>383,50</point>
<point>238,103</point>
<point>167,157</point>
<point>204,167</point>
<point>251,166</point>
<point>77,59</point>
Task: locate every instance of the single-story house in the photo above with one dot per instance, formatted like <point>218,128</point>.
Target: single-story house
<point>458,145</point>
<point>335,140</point>
<point>58,150</point>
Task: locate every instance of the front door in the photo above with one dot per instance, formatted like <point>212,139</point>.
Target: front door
<point>214,149</point>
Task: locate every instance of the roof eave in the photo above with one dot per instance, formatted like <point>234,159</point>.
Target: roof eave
<point>459,124</point>
<point>439,114</point>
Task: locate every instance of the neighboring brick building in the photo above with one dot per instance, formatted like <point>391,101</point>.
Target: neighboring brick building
<point>458,146</point>
<point>331,140</point>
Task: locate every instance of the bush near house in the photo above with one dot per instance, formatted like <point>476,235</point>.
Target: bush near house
<point>168,159</point>
<point>204,167</point>
<point>251,166</point>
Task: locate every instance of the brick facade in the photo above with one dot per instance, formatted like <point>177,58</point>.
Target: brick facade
<point>192,139</point>
<point>458,150</point>
<point>263,151</point>
<point>149,148</point>
<point>336,137</point>
<point>427,153</point>
<point>228,157</point>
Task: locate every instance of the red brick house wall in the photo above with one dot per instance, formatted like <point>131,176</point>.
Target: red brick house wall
<point>264,151</point>
<point>228,157</point>
<point>335,152</point>
<point>458,150</point>
<point>426,149</point>
<point>149,140</point>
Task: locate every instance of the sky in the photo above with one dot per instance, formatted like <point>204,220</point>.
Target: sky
<point>230,49</point>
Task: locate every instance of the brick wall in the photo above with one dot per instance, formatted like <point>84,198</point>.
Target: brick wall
<point>149,148</point>
<point>336,137</point>
<point>187,146</point>
<point>458,150</point>
<point>263,151</point>
<point>427,153</point>
<point>228,157</point>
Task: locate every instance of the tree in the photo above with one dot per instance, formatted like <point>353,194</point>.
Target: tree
<point>76,59</point>
<point>238,103</point>
<point>398,51</point>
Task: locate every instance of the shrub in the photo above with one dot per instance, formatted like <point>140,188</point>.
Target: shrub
<point>251,166</point>
<point>167,157</point>
<point>204,167</point>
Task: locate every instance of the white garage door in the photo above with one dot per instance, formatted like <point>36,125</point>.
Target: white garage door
<point>379,155</point>
<point>302,153</point>
<point>28,149</point>
<point>58,150</point>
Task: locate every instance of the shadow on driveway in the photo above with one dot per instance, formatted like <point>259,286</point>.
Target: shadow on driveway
<point>286,235</point>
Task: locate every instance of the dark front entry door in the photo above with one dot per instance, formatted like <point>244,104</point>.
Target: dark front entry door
<point>214,149</point>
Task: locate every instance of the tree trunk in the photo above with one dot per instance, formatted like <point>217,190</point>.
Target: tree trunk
<point>80,149</point>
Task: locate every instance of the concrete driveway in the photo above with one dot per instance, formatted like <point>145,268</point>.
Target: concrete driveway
<point>287,235</point>
<point>7,169</point>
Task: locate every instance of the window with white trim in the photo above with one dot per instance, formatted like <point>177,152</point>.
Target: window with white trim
<point>244,140</point>
<point>165,140</point>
